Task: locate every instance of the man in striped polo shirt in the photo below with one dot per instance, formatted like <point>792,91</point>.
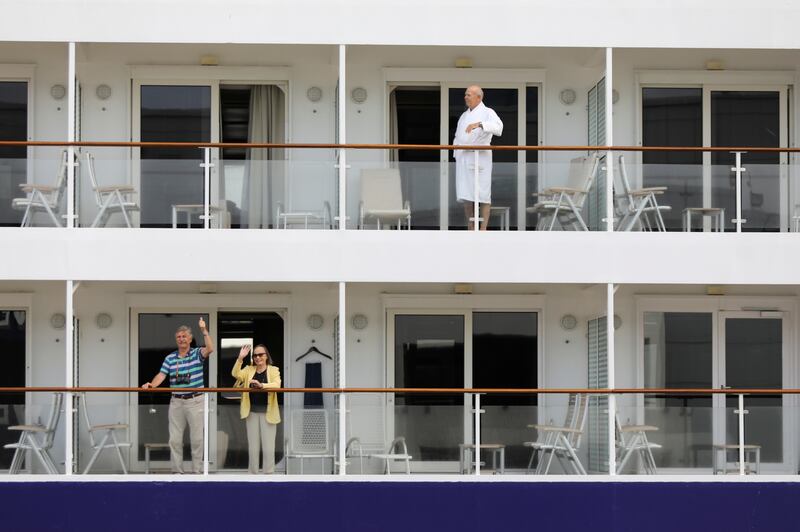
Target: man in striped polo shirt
<point>184,367</point>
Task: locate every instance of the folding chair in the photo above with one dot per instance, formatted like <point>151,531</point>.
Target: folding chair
<point>640,204</point>
<point>633,439</point>
<point>111,198</point>
<point>310,437</point>
<point>564,204</point>
<point>562,442</point>
<point>108,431</point>
<point>37,438</point>
<point>397,452</point>
<point>43,198</point>
<point>382,198</point>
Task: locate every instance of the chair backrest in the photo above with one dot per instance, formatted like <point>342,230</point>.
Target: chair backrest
<point>626,185</point>
<point>310,431</point>
<point>381,190</point>
<point>398,446</point>
<point>581,408</point>
<point>98,198</point>
<point>52,421</point>
<point>85,415</point>
<point>54,198</point>
<point>582,173</point>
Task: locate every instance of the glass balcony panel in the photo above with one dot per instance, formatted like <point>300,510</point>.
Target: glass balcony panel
<point>33,191</point>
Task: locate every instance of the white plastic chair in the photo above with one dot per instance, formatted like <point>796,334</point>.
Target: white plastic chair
<point>323,219</point>
<point>108,431</point>
<point>310,438</point>
<point>382,199</point>
<point>110,198</point>
<point>43,198</point>
<point>640,204</point>
<point>37,438</point>
<point>564,204</point>
<point>397,452</point>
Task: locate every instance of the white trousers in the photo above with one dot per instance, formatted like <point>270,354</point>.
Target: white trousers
<point>181,412</point>
<point>260,436</point>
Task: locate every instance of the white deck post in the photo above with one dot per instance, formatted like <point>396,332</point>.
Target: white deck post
<point>477,454</point>
<point>609,118</point>
<point>476,211</point>
<point>207,188</point>
<point>741,412</point>
<point>71,136</point>
<point>341,362</point>
<point>69,331</point>
<point>610,289</point>
<point>342,99</point>
<point>738,170</point>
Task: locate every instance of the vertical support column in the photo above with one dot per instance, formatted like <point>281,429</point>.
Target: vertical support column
<point>342,99</point>
<point>69,331</point>
<point>738,170</point>
<point>609,118</point>
<point>207,188</point>
<point>477,454</point>
<point>342,379</point>
<point>71,136</point>
<point>612,399</point>
<point>206,425</point>
<point>476,203</point>
<point>741,412</point>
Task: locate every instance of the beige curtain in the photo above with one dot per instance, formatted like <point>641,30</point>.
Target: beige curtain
<point>264,176</point>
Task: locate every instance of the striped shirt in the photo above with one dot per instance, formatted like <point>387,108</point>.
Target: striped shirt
<point>184,372</point>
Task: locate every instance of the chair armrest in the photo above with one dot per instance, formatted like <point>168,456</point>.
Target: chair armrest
<point>29,187</point>
<point>124,189</point>
<point>28,428</point>
<point>638,428</point>
<point>639,193</point>
<point>650,189</point>
<point>110,426</point>
<point>559,190</point>
<point>545,427</point>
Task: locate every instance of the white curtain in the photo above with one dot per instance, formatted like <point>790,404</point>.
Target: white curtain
<point>264,173</point>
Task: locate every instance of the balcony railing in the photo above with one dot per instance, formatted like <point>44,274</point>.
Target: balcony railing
<point>377,431</point>
<point>365,186</point>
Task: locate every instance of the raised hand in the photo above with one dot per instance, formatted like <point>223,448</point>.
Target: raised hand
<point>202,324</point>
<point>244,351</point>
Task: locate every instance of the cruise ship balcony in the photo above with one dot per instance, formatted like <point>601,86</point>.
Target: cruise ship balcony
<point>413,379</point>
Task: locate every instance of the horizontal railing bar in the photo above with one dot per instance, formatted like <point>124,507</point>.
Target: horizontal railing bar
<point>498,391</point>
<point>112,144</point>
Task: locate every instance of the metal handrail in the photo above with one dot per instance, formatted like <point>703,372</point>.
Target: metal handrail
<point>488,391</point>
<point>351,146</point>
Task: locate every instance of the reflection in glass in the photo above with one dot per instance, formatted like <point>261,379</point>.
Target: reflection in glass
<point>505,355</point>
<point>429,353</point>
<point>13,159</point>
<point>678,354</point>
<point>747,118</point>
<point>172,176</point>
<point>754,359</point>
<point>673,117</point>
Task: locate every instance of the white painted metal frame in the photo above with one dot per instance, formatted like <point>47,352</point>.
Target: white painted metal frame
<point>212,304</point>
<point>718,307</point>
<point>491,78</point>
<point>455,305</point>
<point>26,73</point>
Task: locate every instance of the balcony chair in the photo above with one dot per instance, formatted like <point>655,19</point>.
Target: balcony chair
<point>284,218</point>
<point>561,442</point>
<point>43,198</point>
<point>565,204</point>
<point>354,450</point>
<point>110,198</point>
<point>382,199</point>
<point>108,431</point>
<point>640,204</point>
<point>310,438</point>
<point>37,438</point>
<point>397,452</point>
<point>633,439</point>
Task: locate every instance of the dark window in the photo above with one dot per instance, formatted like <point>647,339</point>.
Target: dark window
<point>13,159</point>
<point>673,117</point>
<point>12,405</point>
<point>171,176</point>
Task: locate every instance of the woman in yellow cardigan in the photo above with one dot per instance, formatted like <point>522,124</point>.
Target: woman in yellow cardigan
<point>260,410</point>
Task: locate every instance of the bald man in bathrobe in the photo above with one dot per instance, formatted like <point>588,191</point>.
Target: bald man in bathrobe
<point>475,128</point>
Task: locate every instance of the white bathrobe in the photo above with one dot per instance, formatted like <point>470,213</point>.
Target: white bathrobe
<point>465,160</point>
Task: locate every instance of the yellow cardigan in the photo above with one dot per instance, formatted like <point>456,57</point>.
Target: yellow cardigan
<point>273,381</point>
